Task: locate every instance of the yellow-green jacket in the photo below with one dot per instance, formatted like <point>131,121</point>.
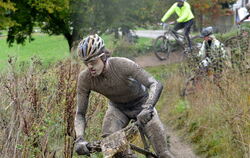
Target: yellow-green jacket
<point>185,14</point>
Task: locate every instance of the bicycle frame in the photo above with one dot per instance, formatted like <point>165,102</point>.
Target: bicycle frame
<point>120,141</point>
<point>179,37</point>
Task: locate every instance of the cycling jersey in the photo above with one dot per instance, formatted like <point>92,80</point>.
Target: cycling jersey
<point>130,89</point>
<point>123,82</point>
<point>184,13</point>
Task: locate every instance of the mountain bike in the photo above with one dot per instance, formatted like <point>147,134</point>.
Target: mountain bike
<point>211,73</point>
<point>121,141</point>
<point>172,41</point>
<point>195,81</point>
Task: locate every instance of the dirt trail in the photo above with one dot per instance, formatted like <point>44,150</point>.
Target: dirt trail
<point>179,148</point>
<point>151,60</point>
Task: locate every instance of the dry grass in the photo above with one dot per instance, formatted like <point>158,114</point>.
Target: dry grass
<point>35,104</point>
<point>37,109</point>
<point>216,120</point>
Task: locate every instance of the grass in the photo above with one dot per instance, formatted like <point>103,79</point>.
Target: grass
<point>216,123</point>
<point>54,48</point>
<point>48,48</point>
<point>51,49</point>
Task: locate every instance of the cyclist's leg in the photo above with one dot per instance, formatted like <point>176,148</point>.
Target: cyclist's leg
<point>177,27</point>
<point>187,29</point>
<point>115,120</point>
<point>155,132</point>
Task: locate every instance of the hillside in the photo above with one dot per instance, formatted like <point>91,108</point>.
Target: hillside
<point>37,109</point>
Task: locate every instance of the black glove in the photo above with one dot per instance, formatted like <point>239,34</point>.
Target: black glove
<point>145,115</point>
<point>81,147</point>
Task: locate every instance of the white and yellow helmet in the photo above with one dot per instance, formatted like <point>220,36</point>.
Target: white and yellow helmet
<point>90,47</point>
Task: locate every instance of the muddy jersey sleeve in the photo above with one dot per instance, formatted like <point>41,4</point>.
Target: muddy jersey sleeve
<point>83,92</point>
<point>133,70</point>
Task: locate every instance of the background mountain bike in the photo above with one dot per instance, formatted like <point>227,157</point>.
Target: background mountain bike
<point>120,141</point>
<point>195,81</point>
<point>172,41</point>
<point>202,74</point>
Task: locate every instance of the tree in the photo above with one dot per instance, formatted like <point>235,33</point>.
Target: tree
<point>210,8</point>
<point>5,9</point>
<point>75,18</point>
<point>51,15</point>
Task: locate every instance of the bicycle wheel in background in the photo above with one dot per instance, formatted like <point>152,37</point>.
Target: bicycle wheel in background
<point>162,47</point>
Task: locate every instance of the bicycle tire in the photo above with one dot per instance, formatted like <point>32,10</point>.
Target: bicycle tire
<point>162,47</point>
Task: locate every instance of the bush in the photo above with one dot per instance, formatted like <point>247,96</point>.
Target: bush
<point>125,49</point>
<point>216,121</point>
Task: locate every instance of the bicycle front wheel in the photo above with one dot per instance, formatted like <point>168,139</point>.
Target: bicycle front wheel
<point>162,47</point>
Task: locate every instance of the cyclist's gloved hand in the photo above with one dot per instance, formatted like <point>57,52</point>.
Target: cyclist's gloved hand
<point>145,115</point>
<point>81,147</point>
<point>164,26</point>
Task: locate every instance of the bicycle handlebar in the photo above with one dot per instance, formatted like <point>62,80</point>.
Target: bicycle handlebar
<point>129,133</point>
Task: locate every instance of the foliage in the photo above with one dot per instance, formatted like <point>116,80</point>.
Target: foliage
<point>124,48</point>
<point>216,120</point>
<point>52,16</point>
<point>74,19</point>
<point>5,8</point>
<point>211,9</point>
<point>239,48</point>
<point>38,110</point>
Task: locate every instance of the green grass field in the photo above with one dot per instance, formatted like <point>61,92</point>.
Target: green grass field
<point>48,48</point>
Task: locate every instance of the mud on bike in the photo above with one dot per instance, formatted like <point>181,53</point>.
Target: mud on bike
<point>120,141</point>
<point>171,41</point>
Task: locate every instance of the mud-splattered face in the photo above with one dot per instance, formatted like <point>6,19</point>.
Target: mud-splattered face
<point>95,66</point>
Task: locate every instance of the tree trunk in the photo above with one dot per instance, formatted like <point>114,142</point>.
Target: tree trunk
<point>127,34</point>
<point>116,33</point>
<point>72,40</point>
<point>69,38</point>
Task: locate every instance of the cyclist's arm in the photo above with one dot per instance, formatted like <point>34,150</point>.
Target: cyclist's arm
<point>169,13</point>
<point>202,52</point>
<point>185,14</point>
<point>82,105</point>
<point>154,87</point>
